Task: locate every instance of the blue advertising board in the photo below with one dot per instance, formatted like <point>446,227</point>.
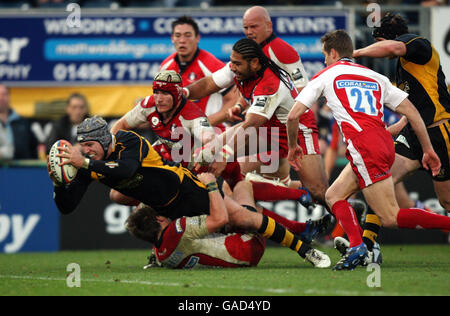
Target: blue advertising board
<point>29,219</point>
<point>128,48</point>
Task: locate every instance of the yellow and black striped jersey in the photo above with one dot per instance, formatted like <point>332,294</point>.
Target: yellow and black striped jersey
<point>419,73</point>
<point>136,170</point>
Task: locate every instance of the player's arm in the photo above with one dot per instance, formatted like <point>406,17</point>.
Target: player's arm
<point>67,197</point>
<point>395,128</point>
<point>430,159</point>
<point>234,145</point>
<point>120,124</point>
<point>295,151</point>
<point>218,215</point>
<point>201,88</point>
<point>228,101</point>
<point>133,118</point>
<point>386,48</point>
<point>221,79</point>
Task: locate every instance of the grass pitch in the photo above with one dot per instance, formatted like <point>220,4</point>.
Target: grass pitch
<point>407,270</point>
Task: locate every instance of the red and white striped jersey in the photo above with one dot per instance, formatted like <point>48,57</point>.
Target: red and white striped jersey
<point>188,121</point>
<point>355,94</point>
<point>186,243</point>
<point>203,64</point>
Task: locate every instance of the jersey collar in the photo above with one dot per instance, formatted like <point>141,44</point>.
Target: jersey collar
<point>183,65</point>
<point>268,40</point>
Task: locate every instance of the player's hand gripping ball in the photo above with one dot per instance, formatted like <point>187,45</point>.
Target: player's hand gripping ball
<point>63,174</point>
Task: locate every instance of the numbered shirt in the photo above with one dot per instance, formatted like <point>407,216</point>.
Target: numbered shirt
<point>202,65</point>
<point>183,131</point>
<point>355,94</point>
<point>186,243</point>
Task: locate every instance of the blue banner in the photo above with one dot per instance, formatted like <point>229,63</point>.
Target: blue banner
<point>105,48</point>
<point>29,219</point>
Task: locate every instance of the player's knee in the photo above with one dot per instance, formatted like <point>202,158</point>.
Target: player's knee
<point>388,220</point>
<point>331,198</point>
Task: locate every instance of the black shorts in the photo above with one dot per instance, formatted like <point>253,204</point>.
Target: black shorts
<point>193,199</point>
<point>407,145</point>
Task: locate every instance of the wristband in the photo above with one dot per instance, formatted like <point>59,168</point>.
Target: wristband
<point>86,163</point>
<point>212,187</point>
<point>240,106</point>
<point>186,92</point>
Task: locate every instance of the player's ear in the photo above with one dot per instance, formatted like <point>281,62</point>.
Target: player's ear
<point>254,63</point>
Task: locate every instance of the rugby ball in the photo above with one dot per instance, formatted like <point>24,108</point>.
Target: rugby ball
<point>64,174</point>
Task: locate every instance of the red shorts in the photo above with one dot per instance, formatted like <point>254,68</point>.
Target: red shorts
<point>371,155</point>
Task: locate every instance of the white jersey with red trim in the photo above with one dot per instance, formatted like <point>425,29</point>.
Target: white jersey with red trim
<point>283,54</point>
<point>269,96</point>
<point>287,58</point>
<point>186,243</point>
<point>355,94</point>
<point>203,65</point>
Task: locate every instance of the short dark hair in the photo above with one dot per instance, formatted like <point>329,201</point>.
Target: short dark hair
<point>338,40</point>
<point>142,224</point>
<point>391,27</point>
<point>186,20</point>
<point>77,95</point>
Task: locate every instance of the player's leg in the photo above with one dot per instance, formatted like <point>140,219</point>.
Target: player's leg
<point>270,229</point>
<point>272,187</point>
<point>381,198</point>
<point>337,194</point>
<point>313,177</point>
<point>243,194</point>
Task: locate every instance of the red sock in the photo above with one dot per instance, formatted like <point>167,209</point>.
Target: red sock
<point>347,219</point>
<point>293,226</point>
<point>269,192</point>
<point>418,218</point>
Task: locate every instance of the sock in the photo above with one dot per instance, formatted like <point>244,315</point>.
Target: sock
<point>273,231</point>
<point>347,219</point>
<point>293,226</point>
<point>372,227</point>
<point>268,192</point>
<point>418,218</point>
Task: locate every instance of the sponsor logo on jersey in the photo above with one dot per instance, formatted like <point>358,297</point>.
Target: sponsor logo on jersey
<point>155,121</point>
<point>341,84</point>
<point>261,101</point>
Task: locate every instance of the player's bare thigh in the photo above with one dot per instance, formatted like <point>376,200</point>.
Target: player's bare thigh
<point>313,176</point>
<point>343,187</point>
<point>402,167</point>
<point>380,196</point>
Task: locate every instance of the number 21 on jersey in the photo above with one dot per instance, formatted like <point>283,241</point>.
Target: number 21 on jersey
<point>360,95</point>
